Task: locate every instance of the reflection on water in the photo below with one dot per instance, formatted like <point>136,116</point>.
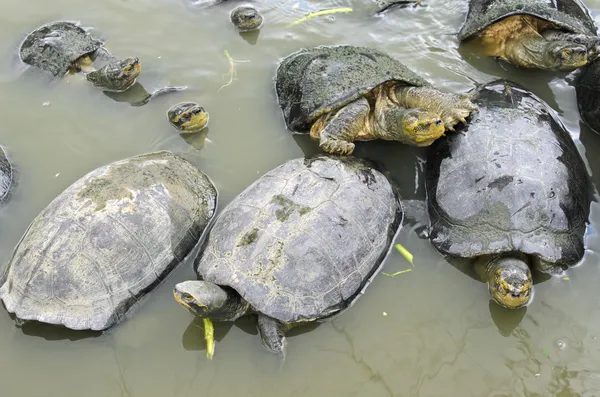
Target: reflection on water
<point>429,332</point>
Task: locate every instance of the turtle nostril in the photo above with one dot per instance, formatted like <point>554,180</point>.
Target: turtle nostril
<point>438,122</point>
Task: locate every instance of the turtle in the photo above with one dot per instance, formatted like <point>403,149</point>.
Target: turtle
<point>188,117</point>
<point>346,93</point>
<point>300,245</point>
<point>587,89</point>
<point>63,47</point>
<point>511,194</point>
<point>558,35</point>
<point>107,241</point>
<point>246,18</point>
<point>7,176</point>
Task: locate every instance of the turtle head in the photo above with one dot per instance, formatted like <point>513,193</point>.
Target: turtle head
<point>246,18</point>
<point>510,282</point>
<point>412,126</point>
<point>116,76</point>
<point>188,117</point>
<point>565,55</point>
<point>208,300</point>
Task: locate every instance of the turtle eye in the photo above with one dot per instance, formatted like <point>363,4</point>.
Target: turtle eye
<point>187,297</point>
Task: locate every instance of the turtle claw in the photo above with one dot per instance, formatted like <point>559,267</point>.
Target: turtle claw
<point>337,146</point>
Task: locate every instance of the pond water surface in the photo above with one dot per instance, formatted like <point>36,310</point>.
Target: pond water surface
<point>429,332</point>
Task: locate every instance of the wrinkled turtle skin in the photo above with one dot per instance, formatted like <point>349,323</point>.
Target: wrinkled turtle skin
<point>512,182</point>
<point>54,47</point>
<point>570,15</point>
<point>7,176</point>
<point>587,88</point>
<point>315,81</point>
<point>108,240</point>
<point>302,242</point>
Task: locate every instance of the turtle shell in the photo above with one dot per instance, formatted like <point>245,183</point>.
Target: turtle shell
<point>6,175</point>
<point>303,241</point>
<point>570,15</point>
<point>108,240</point>
<point>55,46</point>
<point>512,181</point>
<point>587,88</point>
<point>315,81</point>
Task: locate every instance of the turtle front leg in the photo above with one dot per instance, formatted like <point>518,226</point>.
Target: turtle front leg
<point>272,334</point>
<point>337,131</point>
<point>453,108</point>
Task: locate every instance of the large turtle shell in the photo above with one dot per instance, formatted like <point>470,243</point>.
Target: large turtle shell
<point>55,46</point>
<point>315,81</point>
<point>108,240</point>
<point>587,87</point>
<point>513,180</point>
<point>570,15</point>
<point>303,241</point>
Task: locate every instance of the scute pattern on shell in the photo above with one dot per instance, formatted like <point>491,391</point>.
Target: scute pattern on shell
<point>107,240</point>
<point>305,239</point>
<point>55,46</point>
<point>314,81</point>
<point>513,180</point>
<point>571,15</point>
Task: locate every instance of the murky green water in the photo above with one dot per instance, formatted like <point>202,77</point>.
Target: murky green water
<point>430,332</point>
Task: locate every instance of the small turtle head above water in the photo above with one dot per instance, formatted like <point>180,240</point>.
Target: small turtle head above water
<point>208,300</point>
<point>188,117</point>
<point>246,18</point>
<point>510,282</point>
<point>116,76</point>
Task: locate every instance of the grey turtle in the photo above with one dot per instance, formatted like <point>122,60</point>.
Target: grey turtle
<point>107,241</point>
<point>301,244</point>
<point>246,18</point>
<point>7,176</point>
<point>346,93</point>
<point>587,88</point>
<point>512,193</point>
<point>65,47</point>
<point>550,35</point>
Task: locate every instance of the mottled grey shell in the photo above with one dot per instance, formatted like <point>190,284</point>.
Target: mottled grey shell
<point>7,175</point>
<point>108,240</point>
<point>513,180</point>
<point>315,81</point>
<point>55,46</point>
<point>304,240</point>
<point>571,15</point>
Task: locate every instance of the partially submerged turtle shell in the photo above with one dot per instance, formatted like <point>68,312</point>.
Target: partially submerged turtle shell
<point>513,180</point>
<point>570,15</point>
<point>315,81</point>
<point>304,241</point>
<point>108,240</point>
<point>55,46</point>
<point>587,87</point>
<point>7,175</point>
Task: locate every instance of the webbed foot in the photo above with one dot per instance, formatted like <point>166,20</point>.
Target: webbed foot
<point>455,109</point>
<point>336,146</point>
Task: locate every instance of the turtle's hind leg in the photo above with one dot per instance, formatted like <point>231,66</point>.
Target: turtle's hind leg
<point>453,108</point>
<point>272,334</point>
<point>337,131</point>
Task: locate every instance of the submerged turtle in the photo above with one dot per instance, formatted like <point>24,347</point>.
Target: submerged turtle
<point>551,35</point>
<point>246,18</point>
<point>108,240</point>
<point>62,47</point>
<point>346,93</point>
<point>7,176</point>
<point>188,117</point>
<point>65,47</point>
<point>512,193</point>
<point>587,88</point>
<point>300,244</point>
